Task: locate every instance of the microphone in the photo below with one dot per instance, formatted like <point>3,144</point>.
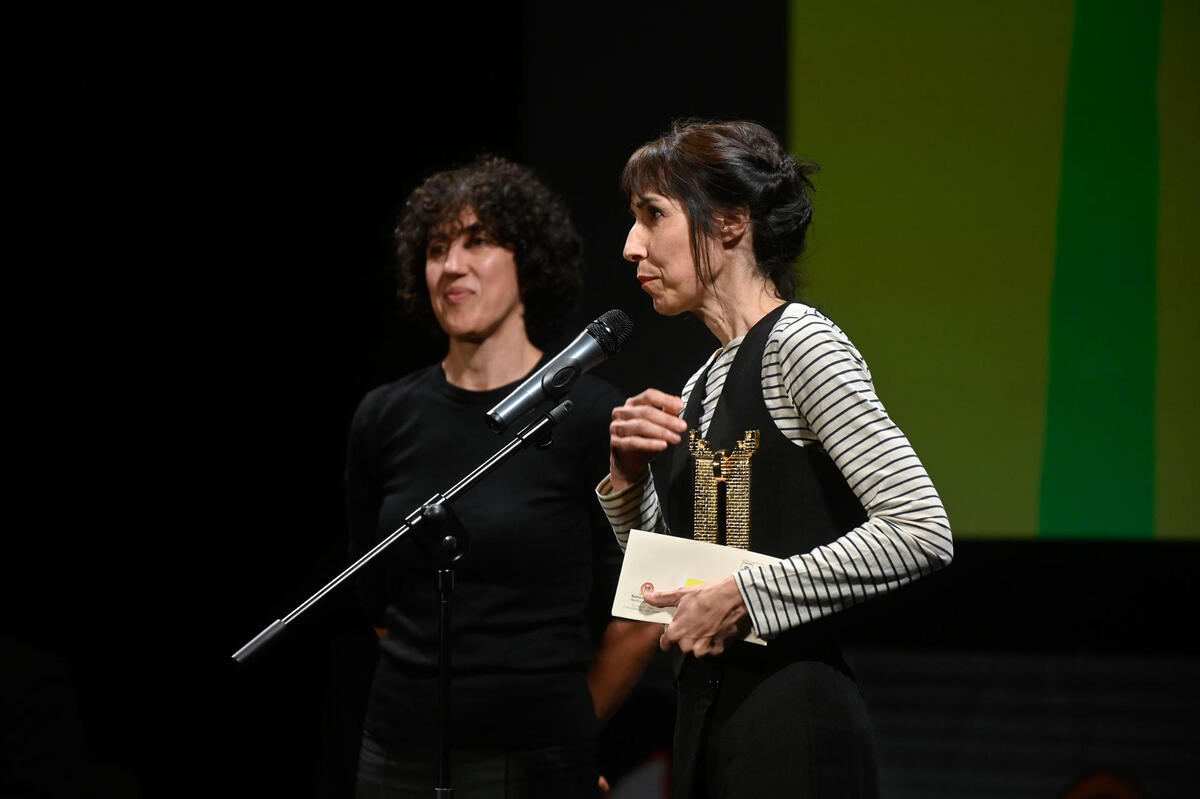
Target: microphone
<point>599,340</point>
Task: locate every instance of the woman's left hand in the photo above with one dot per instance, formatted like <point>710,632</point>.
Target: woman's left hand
<point>707,617</point>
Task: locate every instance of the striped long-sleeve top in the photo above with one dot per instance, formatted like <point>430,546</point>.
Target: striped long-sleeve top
<point>818,391</point>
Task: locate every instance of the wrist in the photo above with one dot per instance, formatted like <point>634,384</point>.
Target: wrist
<point>621,480</point>
<point>732,595</point>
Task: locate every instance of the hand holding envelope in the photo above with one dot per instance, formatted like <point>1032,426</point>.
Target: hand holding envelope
<point>689,586</point>
<point>707,617</point>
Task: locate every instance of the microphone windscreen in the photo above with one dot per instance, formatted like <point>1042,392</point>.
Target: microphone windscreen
<point>611,330</point>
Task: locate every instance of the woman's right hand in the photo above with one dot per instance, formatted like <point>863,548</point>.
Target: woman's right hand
<point>644,426</point>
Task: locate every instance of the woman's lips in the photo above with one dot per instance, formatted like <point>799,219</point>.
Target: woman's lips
<point>644,279</point>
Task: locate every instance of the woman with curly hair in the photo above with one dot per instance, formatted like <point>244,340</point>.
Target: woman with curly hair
<point>489,253</point>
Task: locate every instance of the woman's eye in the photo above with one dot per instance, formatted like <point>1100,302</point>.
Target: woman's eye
<point>435,252</point>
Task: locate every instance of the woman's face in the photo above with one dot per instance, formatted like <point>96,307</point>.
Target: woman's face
<point>660,243</point>
<point>472,281</point>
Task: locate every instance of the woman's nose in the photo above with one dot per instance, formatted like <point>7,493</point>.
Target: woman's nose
<point>635,248</point>
<point>456,259</point>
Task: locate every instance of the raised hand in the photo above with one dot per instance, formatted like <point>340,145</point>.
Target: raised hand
<point>644,426</point>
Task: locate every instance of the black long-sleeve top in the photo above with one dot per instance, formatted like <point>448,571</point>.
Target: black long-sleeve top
<point>532,591</point>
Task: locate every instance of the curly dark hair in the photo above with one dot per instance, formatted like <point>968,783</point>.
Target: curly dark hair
<point>711,167</point>
<point>521,213</point>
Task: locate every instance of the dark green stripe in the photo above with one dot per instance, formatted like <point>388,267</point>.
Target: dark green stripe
<point>1098,468</point>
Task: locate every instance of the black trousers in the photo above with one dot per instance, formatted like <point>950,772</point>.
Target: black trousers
<point>750,726</point>
<point>566,772</point>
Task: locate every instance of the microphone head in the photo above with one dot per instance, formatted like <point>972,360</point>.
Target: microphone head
<point>611,330</point>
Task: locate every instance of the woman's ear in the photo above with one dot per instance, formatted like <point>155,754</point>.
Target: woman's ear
<point>732,226</point>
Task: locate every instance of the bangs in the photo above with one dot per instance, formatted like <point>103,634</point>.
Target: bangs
<point>649,169</point>
<point>433,210</point>
<point>444,221</point>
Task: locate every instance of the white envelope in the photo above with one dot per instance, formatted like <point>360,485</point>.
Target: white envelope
<point>664,562</point>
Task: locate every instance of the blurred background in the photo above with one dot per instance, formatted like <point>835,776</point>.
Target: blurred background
<point>201,212</point>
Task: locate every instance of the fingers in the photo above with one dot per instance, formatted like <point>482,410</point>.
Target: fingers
<point>653,409</point>
<point>707,617</point>
<point>700,647</point>
<point>668,403</point>
<point>662,599</point>
<point>628,430</point>
<point>642,426</point>
<point>640,429</point>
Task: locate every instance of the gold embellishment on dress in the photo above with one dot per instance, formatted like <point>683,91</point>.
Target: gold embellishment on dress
<point>714,469</point>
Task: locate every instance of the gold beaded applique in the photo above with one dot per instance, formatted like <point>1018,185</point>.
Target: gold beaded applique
<point>732,471</point>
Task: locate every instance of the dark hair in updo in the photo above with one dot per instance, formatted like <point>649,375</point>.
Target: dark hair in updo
<point>714,168</point>
<point>521,213</point>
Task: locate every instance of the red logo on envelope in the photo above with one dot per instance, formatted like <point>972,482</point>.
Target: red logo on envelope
<point>647,587</point>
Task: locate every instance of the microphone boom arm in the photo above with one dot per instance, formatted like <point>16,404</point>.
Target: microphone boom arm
<point>537,433</point>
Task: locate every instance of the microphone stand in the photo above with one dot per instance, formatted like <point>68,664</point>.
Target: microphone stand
<point>453,547</point>
<point>436,514</point>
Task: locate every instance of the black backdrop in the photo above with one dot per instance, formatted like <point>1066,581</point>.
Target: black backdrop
<point>208,210</point>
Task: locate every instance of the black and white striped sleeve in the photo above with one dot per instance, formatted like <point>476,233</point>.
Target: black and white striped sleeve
<point>635,508</point>
<point>810,364</point>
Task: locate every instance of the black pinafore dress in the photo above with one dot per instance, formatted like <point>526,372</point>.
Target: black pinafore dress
<point>785,719</point>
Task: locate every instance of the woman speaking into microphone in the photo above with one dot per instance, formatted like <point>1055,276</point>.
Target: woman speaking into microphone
<point>833,489</point>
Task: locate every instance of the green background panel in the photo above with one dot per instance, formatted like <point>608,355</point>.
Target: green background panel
<point>1098,468</point>
<point>939,129</point>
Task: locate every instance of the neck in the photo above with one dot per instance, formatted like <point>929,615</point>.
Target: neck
<point>739,296</point>
<point>493,362</point>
